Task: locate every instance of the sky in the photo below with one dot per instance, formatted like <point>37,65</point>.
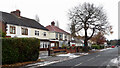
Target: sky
<point>56,10</point>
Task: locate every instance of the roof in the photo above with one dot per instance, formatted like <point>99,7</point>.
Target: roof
<point>56,29</point>
<point>21,21</point>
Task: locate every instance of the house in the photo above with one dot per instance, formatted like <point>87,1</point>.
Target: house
<point>16,25</point>
<point>76,41</point>
<point>58,37</point>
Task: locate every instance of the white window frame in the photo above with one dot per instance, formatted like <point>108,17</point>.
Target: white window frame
<point>36,32</point>
<point>44,34</point>
<point>56,35</point>
<point>60,36</point>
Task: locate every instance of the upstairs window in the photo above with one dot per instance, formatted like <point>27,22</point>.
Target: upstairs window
<point>56,35</point>
<point>24,31</point>
<point>36,32</point>
<point>60,36</point>
<point>44,33</point>
<point>12,30</point>
<point>66,37</point>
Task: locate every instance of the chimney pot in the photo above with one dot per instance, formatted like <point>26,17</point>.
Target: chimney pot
<point>53,23</point>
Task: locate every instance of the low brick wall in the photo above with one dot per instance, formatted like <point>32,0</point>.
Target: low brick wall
<point>66,50</point>
<point>71,50</point>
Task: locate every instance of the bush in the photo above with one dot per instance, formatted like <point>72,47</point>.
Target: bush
<point>64,46</point>
<point>68,47</point>
<point>95,47</point>
<point>2,34</point>
<point>19,50</point>
<point>101,47</point>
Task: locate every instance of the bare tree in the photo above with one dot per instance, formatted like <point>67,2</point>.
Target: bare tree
<point>88,17</point>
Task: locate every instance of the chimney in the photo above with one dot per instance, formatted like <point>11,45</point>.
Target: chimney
<point>17,12</point>
<point>53,23</point>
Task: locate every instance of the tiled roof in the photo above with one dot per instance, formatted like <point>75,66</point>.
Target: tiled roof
<point>56,29</point>
<point>9,18</point>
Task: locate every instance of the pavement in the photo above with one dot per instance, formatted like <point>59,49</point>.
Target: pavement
<point>78,60</point>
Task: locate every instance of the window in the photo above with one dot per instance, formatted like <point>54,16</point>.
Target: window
<point>12,29</point>
<point>56,35</point>
<point>44,34</point>
<point>24,31</point>
<point>44,44</point>
<point>41,46</point>
<point>65,37</point>
<point>61,36</point>
<point>36,32</point>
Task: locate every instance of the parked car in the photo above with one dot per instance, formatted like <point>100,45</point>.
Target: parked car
<point>113,46</point>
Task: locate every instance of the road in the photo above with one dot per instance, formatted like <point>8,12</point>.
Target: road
<point>94,60</point>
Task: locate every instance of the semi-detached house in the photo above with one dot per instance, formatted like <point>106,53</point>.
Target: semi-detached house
<point>17,26</point>
<point>58,37</point>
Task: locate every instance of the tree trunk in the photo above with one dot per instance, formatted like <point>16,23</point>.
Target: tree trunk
<point>85,48</point>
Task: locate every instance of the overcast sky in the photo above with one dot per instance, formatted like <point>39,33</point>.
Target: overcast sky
<point>49,10</point>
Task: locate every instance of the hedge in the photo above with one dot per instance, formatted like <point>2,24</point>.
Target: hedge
<point>97,47</point>
<point>19,50</point>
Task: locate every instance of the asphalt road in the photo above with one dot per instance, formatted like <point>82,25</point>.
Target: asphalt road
<point>94,60</point>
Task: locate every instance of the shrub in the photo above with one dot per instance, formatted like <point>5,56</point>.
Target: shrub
<point>19,50</point>
<point>73,47</point>
<point>64,46</point>
<point>2,34</point>
<point>68,47</point>
<point>101,47</point>
<point>95,47</point>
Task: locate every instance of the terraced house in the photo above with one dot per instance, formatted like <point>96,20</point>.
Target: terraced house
<point>17,26</point>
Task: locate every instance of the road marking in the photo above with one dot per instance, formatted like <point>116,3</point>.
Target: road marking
<point>97,55</point>
<point>90,59</point>
<point>78,64</point>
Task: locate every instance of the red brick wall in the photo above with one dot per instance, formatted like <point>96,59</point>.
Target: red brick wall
<point>2,26</point>
<point>71,50</point>
<point>43,49</point>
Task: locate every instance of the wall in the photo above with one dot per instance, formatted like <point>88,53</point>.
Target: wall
<point>2,26</point>
<point>52,35</point>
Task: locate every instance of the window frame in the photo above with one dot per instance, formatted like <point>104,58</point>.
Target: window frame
<point>61,36</point>
<point>24,31</point>
<point>44,34</point>
<point>13,30</point>
<point>65,37</point>
<point>56,35</point>
<point>36,33</point>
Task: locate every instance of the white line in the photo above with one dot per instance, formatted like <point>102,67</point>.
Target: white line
<point>78,64</point>
<point>97,55</point>
<point>91,59</point>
